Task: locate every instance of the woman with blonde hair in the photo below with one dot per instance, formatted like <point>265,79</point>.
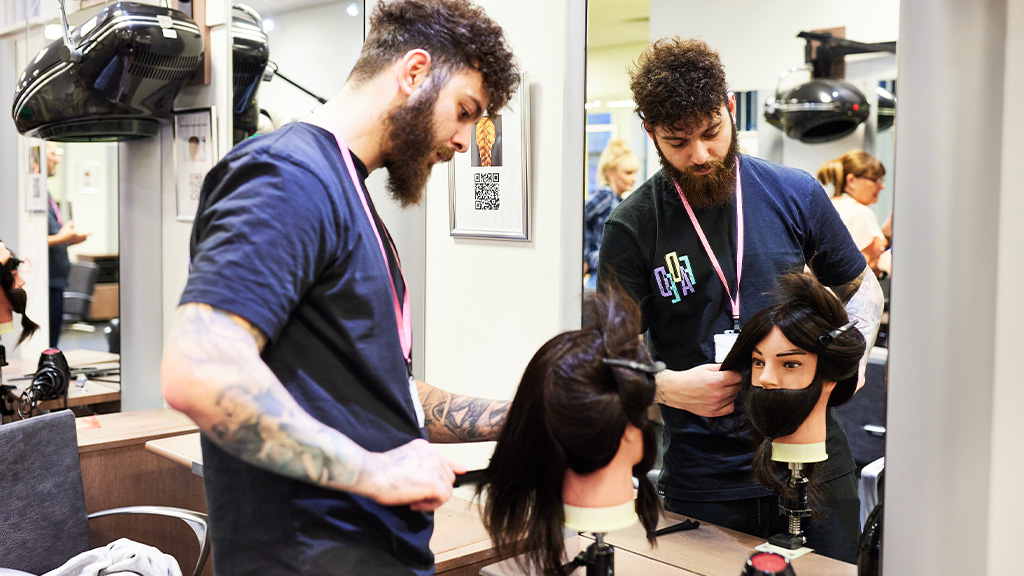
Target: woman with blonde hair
<point>617,170</point>
<point>857,179</point>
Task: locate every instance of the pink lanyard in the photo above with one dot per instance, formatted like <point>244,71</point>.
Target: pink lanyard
<point>735,302</point>
<point>402,314</point>
<point>56,210</point>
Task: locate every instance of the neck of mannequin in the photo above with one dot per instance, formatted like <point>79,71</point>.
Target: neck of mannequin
<point>611,485</point>
<point>6,314</point>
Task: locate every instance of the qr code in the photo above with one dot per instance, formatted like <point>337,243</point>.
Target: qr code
<point>486,191</point>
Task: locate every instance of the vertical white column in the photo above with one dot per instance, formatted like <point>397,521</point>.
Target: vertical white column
<point>952,445</point>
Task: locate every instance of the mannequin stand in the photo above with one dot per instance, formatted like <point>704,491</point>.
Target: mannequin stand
<point>794,506</point>
<point>599,558</point>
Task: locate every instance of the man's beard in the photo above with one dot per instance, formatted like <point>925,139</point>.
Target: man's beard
<point>409,150</point>
<point>712,189</point>
<point>779,412</point>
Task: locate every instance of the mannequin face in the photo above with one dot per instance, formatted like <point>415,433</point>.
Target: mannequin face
<point>776,363</point>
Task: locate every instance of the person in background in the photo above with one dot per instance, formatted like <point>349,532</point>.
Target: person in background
<point>857,178</point>
<point>617,169</point>
<point>292,344</point>
<point>699,267</point>
<point>61,233</point>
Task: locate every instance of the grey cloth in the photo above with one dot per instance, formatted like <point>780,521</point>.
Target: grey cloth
<point>122,557</point>
<point>43,520</point>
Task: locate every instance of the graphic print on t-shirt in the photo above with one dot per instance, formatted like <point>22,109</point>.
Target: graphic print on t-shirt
<point>675,279</point>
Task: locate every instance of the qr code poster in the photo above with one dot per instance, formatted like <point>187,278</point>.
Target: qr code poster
<point>489,185</point>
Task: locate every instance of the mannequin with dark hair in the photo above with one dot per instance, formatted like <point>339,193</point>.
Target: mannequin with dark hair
<point>577,434</point>
<point>13,297</point>
<point>799,358</point>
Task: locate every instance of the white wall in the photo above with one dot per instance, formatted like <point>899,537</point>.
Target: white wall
<point>316,48</point>
<point>491,304</point>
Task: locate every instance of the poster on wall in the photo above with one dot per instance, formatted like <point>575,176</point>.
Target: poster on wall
<point>488,188</point>
<point>194,152</point>
<point>36,178</point>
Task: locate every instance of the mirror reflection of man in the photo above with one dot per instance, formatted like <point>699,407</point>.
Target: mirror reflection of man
<point>291,348</point>
<point>61,233</point>
<point>700,267</point>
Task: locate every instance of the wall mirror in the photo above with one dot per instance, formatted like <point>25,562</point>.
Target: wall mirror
<point>313,45</point>
<point>757,43</point>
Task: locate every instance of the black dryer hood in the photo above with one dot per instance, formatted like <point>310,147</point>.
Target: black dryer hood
<point>134,59</point>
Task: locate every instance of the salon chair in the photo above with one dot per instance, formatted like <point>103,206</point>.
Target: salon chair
<point>44,521</point>
<point>79,293</point>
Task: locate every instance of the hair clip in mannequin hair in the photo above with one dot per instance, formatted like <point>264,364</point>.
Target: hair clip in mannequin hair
<point>651,369</point>
<point>827,339</point>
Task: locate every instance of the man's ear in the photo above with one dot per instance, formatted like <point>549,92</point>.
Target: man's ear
<point>732,106</point>
<point>413,69</point>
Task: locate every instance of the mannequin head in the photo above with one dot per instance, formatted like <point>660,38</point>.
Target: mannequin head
<point>13,297</point>
<point>575,421</point>
<point>798,357</point>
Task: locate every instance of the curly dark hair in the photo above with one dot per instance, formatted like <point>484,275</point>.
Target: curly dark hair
<point>456,33</point>
<point>678,83</point>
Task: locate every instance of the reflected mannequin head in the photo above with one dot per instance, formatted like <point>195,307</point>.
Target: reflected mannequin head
<point>13,297</point>
<point>573,414</point>
<point>856,173</point>
<point>463,67</point>
<point>618,166</point>
<point>682,99</point>
<point>793,355</point>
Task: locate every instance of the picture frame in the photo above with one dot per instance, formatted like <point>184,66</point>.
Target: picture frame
<point>195,151</point>
<point>489,186</point>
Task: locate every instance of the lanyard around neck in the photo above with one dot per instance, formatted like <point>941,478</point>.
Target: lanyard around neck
<point>402,315</point>
<point>56,210</point>
<point>735,302</point>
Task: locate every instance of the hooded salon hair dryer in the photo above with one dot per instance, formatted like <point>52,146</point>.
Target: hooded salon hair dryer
<point>825,108</point>
<point>113,78</point>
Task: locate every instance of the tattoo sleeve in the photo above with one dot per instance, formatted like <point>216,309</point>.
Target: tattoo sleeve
<point>456,418</point>
<point>864,304</point>
<point>244,408</point>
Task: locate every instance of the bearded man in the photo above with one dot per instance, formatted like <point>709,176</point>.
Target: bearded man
<point>291,346</point>
<point>699,246</point>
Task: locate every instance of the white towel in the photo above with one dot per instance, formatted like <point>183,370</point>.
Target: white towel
<point>122,557</point>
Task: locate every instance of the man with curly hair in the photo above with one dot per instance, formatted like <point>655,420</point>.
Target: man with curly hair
<point>699,246</point>
<point>291,348</point>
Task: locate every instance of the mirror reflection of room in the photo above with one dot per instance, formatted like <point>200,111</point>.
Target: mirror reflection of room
<point>755,56</point>
<point>82,214</point>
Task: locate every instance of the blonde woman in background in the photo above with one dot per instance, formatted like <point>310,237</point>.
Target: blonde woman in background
<point>617,170</point>
<point>857,179</point>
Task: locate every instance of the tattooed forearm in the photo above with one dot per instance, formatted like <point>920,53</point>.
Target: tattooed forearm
<point>234,397</point>
<point>866,306</point>
<point>455,418</point>
<point>846,291</point>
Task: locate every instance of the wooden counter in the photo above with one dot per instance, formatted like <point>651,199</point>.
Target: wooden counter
<point>118,471</point>
<point>708,551</point>
<point>100,396</point>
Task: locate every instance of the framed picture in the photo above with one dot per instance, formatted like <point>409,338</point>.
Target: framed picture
<point>195,148</point>
<point>489,188</point>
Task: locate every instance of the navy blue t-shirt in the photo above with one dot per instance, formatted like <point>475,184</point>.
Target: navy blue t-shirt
<point>282,240</point>
<point>652,249</point>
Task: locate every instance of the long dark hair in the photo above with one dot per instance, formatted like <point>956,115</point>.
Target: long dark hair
<point>805,312</point>
<point>569,413</point>
<point>17,297</point>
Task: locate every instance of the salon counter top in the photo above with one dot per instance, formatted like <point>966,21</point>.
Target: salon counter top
<point>707,551</point>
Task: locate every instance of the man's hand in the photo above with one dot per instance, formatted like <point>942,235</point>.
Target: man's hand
<point>68,235</point>
<point>415,473</point>
<point>704,390</point>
